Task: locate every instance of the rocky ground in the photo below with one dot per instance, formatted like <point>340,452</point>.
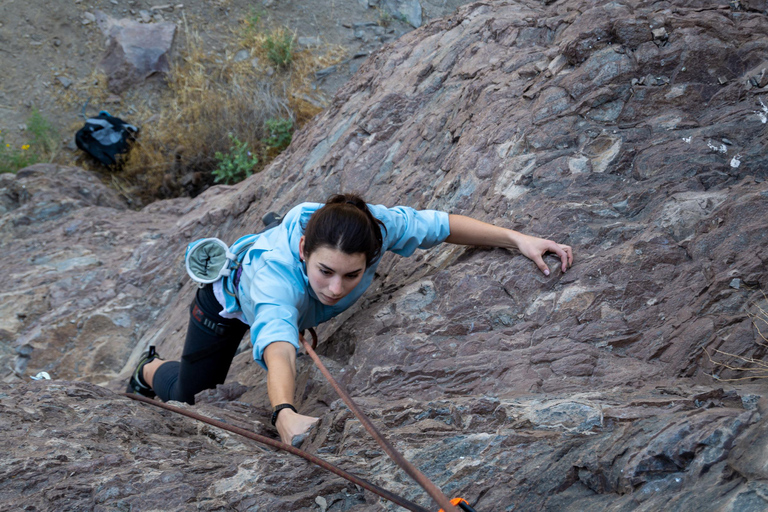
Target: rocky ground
<point>51,56</point>
<point>634,132</point>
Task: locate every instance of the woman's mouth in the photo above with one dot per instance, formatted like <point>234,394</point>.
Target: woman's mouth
<point>331,300</point>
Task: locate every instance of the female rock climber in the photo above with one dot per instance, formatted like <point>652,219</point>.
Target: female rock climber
<point>315,264</point>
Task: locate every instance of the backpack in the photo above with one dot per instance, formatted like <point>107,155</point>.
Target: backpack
<point>104,137</point>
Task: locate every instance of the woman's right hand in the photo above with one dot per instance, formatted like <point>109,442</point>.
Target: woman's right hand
<point>293,427</point>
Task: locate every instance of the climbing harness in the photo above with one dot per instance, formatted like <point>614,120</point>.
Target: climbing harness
<point>455,505</point>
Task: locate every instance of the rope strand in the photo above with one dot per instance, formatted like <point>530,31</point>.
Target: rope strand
<point>390,450</point>
<point>394,498</point>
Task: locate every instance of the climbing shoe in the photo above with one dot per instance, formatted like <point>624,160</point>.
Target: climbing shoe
<point>137,384</point>
<point>271,220</point>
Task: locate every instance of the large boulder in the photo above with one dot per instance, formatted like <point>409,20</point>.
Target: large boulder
<point>634,132</point>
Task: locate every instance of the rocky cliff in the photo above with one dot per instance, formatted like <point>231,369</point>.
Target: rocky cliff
<point>633,131</point>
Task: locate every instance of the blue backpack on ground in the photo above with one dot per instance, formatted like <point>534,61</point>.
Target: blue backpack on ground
<point>105,136</point>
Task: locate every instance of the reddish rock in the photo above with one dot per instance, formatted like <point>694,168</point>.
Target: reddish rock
<point>590,390</point>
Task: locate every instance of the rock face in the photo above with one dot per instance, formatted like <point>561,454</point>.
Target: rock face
<point>634,132</point>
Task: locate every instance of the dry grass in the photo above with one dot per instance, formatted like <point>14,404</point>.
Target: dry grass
<point>209,98</point>
<point>751,367</point>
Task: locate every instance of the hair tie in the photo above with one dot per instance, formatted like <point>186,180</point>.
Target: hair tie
<point>353,203</point>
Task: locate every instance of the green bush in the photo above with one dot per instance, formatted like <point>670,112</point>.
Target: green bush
<point>279,133</point>
<point>41,148</point>
<point>43,135</point>
<point>236,165</point>
<point>252,21</point>
<point>12,159</point>
<point>279,47</point>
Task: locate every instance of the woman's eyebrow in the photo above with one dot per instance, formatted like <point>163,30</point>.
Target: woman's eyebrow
<point>326,267</point>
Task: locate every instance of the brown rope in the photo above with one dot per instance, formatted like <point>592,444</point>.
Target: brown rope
<point>409,468</point>
<point>394,498</point>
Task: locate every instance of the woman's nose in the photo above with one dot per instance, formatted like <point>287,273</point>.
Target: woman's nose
<point>335,286</point>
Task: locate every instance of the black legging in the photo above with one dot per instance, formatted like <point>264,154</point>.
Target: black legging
<point>210,346</point>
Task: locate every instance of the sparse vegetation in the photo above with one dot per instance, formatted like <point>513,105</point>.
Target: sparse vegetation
<point>209,99</point>
<point>385,18</point>
<point>252,21</point>
<point>40,148</point>
<point>279,134</point>
<point>748,367</point>
<point>279,46</point>
<point>235,165</point>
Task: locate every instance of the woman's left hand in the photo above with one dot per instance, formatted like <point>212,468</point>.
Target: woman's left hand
<point>535,248</point>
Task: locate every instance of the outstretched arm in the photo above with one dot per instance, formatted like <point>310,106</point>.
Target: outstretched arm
<point>468,231</point>
<point>280,358</point>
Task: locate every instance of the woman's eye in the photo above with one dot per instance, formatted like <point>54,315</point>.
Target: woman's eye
<point>325,272</point>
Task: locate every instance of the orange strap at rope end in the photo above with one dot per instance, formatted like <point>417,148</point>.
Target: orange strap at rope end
<point>462,503</point>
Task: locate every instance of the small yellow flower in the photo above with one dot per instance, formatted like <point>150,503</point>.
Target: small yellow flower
<point>25,147</point>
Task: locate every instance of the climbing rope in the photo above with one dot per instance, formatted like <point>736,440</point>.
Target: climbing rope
<point>394,498</point>
<point>412,471</point>
<point>397,457</point>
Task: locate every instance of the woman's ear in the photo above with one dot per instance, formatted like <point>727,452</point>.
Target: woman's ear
<point>301,248</point>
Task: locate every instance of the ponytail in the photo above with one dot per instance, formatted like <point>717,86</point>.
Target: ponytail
<point>346,224</point>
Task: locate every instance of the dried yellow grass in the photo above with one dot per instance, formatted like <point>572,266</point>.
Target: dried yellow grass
<point>209,97</point>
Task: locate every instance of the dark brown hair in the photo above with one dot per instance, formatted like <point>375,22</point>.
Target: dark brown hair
<point>346,224</point>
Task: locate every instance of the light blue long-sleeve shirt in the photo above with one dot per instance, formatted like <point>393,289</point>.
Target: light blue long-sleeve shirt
<point>274,294</point>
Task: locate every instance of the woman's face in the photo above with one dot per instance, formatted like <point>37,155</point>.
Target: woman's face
<point>333,274</point>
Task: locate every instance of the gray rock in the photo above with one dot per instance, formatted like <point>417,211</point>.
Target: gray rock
<point>134,50</point>
<point>408,11</point>
<point>242,55</point>
<point>64,81</point>
<point>308,41</point>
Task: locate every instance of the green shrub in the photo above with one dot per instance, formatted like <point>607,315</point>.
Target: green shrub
<point>279,47</point>
<point>252,21</point>
<point>43,135</point>
<point>12,159</point>
<point>279,133</point>
<point>42,147</point>
<point>236,165</point>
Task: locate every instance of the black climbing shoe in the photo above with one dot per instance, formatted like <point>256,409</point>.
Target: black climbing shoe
<point>271,220</point>
<point>136,384</point>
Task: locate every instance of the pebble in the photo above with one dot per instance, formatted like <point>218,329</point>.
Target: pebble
<point>89,16</point>
<point>325,72</point>
<point>735,283</point>
<point>241,55</point>
<point>64,81</point>
<point>309,41</point>
<point>144,15</point>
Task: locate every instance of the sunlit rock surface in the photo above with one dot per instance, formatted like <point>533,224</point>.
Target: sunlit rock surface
<point>635,132</point>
